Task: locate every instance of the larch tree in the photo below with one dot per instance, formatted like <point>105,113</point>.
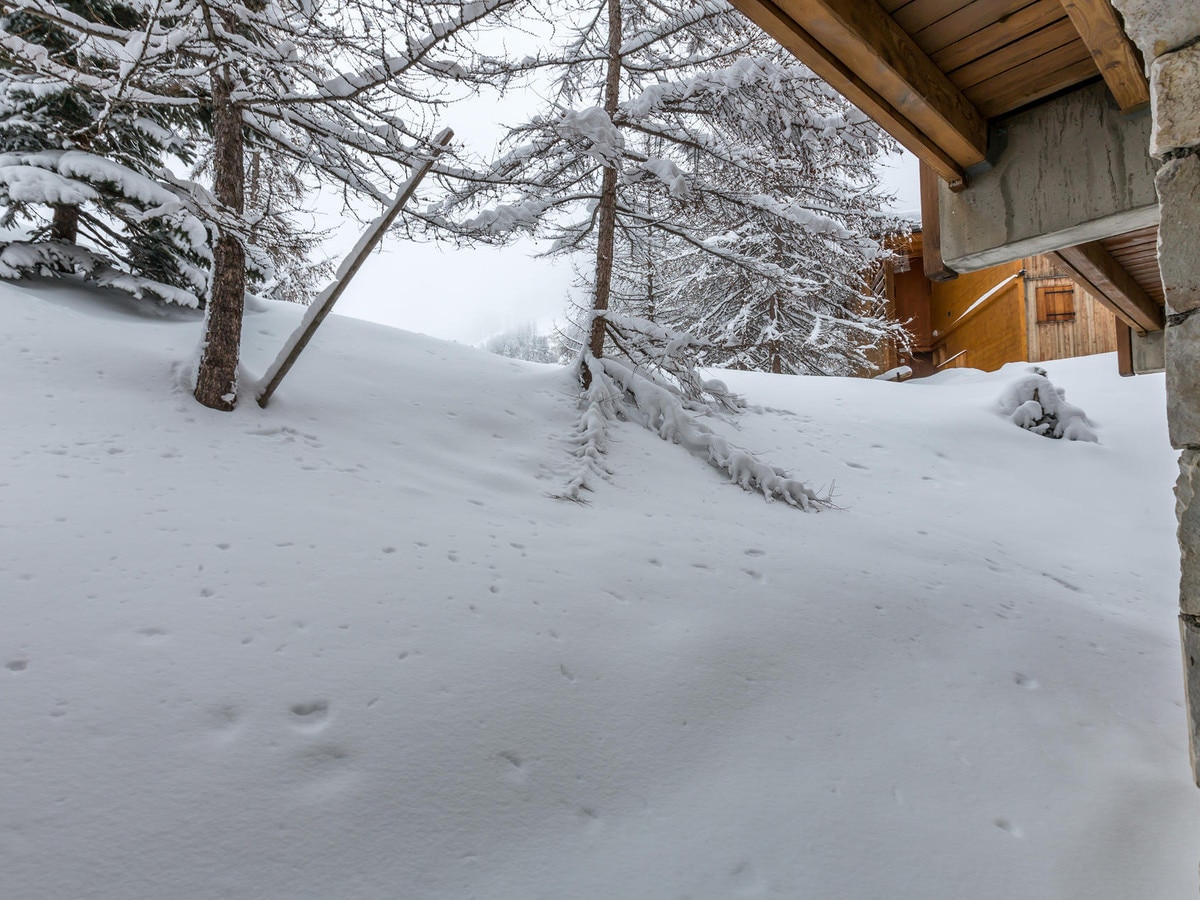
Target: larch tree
<point>341,89</point>
<point>691,161</point>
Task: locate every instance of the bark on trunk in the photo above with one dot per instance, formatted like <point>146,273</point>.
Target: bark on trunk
<point>65,224</point>
<point>773,345</point>
<point>216,381</point>
<point>606,215</point>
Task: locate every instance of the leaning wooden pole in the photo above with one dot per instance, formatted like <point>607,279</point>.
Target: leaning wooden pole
<point>324,303</point>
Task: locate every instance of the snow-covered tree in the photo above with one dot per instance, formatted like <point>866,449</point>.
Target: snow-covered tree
<point>339,92</point>
<point>80,148</point>
<point>338,88</point>
<point>681,142</point>
<point>691,160</point>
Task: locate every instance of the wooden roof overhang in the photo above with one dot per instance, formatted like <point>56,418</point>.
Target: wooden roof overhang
<point>933,73</point>
<point>938,74</point>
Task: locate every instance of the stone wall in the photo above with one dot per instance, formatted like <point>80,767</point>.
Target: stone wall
<point>1168,34</point>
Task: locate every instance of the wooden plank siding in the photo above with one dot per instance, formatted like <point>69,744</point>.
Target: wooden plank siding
<point>949,300</point>
<point>1002,54</point>
<point>1093,330</point>
<point>982,335</point>
<point>929,71</point>
<point>989,336</point>
<point>1137,252</point>
<point>952,329</point>
<point>983,27</point>
<point>995,64</point>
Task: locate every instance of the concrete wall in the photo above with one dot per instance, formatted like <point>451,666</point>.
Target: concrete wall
<point>1068,171</point>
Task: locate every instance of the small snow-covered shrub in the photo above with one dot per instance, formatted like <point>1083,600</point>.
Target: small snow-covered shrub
<point>1032,402</point>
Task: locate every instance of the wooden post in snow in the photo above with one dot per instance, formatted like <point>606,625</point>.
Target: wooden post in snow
<point>324,303</point>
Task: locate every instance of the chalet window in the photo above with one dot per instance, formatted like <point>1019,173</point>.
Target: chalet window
<point>1055,303</point>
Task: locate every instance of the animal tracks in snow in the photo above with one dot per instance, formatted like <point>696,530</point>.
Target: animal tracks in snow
<point>287,435</point>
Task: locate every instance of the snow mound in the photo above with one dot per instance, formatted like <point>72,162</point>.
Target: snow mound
<point>1035,404</point>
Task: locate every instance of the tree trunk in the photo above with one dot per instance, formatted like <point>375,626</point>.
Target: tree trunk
<point>216,381</point>
<point>607,212</point>
<point>65,225</point>
<point>773,345</point>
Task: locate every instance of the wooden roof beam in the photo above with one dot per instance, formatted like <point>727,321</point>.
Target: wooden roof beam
<point>1114,53</point>
<point>931,228</point>
<point>1097,271</point>
<point>858,48</point>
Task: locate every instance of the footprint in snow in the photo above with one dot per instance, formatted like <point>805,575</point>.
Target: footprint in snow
<point>515,770</point>
<point>223,721</point>
<point>310,717</point>
<point>1005,825</point>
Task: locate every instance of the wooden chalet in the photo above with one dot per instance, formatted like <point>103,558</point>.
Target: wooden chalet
<point>1063,128</point>
<point>1028,309</point>
<point>987,94</point>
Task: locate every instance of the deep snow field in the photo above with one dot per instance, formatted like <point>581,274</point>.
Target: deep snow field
<point>351,647</point>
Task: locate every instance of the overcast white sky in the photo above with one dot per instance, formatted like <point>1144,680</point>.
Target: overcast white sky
<point>467,295</point>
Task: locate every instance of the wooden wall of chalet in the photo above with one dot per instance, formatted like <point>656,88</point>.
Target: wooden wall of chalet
<point>1087,328</point>
<point>907,288</point>
<point>1036,316</point>
<point>971,333</point>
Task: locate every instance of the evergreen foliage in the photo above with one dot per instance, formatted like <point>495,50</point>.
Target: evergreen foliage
<point>81,152</point>
<point>268,97</point>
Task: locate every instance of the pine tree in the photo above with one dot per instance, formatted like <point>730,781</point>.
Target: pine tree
<point>688,157</point>
<point>81,148</point>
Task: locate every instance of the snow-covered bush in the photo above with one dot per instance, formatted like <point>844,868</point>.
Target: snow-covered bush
<point>1035,404</point>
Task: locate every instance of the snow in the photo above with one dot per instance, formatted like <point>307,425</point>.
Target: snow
<point>44,168</point>
<point>594,126</point>
<point>26,184</point>
<point>349,646</point>
<point>670,175</point>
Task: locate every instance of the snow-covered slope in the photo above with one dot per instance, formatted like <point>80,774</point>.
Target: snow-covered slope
<point>350,647</point>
